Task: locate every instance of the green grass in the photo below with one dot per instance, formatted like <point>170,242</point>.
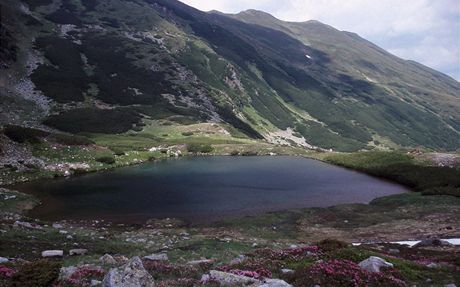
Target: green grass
<point>404,169</point>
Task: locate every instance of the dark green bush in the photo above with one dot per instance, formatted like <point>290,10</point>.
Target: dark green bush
<point>40,273</point>
<point>106,159</point>
<point>328,245</point>
<point>187,134</point>
<point>234,153</point>
<point>199,148</point>
<point>249,153</point>
<point>23,134</point>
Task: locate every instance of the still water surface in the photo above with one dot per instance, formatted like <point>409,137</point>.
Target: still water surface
<point>204,189</point>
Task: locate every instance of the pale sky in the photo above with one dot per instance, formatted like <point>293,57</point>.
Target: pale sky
<point>427,31</point>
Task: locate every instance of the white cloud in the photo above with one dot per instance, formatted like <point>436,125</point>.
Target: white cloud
<point>426,31</point>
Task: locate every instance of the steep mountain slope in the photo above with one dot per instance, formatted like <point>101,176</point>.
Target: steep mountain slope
<point>107,67</point>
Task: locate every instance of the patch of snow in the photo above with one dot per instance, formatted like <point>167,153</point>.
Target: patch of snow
<point>308,56</point>
<point>411,243</point>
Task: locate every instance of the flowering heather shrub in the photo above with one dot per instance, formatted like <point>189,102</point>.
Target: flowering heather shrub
<point>6,272</point>
<point>289,253</point>
<point>41,273</point>
<point>258,273</point>
<point>344,273</point>
<point>83,276</point>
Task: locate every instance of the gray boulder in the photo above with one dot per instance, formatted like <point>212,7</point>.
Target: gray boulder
<point>232,280</point>
<point>374,263</point>
<point>4,260</point>
<point>274,283</point>
<point>132,274</point>
<point>157,257</point>
<point>108,259</point>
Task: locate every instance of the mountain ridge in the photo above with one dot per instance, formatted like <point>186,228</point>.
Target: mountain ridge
<point>265,77</point>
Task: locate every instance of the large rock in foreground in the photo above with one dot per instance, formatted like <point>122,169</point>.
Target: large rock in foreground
<point>132,274</point>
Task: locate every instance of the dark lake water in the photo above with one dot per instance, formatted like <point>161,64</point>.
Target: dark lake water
<point>203,189</point>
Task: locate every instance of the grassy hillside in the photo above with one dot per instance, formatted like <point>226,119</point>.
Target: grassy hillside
<point>87,67</point>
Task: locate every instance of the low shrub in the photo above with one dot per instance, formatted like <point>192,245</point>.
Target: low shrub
<point>106,159</point>
<point>199,148</point>
<point>187,134</point>
<point>41,273</point>
<point>234,153</point>
<point>343,273</point>
<point>328,245</point>
<point>249,153</point>
<point>22,134</point>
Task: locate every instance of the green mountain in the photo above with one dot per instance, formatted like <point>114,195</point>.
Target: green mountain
<point>88,66</point>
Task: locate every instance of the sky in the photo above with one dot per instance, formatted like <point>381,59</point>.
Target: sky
<point>427,31</point>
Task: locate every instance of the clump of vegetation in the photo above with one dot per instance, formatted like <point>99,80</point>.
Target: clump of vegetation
<point>344,273</point>
<point>328,245</point>
<point>95,120</point>
<point>249,153</point>
<point>402,168</point>
<point>65,139</point>
<point>187,134</point>
<point>234,153</point>
<point>106,159</point>
<point>41,273</point>
<point>22,134</point>
<point>199,148</point>
<point>117,151</point>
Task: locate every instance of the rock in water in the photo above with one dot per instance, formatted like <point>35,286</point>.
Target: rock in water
<point>132,274</point>
<point>374,263</point>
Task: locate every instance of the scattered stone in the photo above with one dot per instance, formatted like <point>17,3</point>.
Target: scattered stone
<point>230,280</point>
<point>393,251</point>
<point>157,257</point>
<point>95,283</point>
<point>108,259</point>
<point>27,225</point>
<point>132,274</point>
<point>433,242</point>
<point>4,260</point>
<point>53,253</point>
<point>237,260</point>
<point>78,251</point>
<point>57,225</point>
<point>374,263</point>
<point>450,285</point>
<point>63,232</point>
<point>433,265</point>
<point>66,272</point>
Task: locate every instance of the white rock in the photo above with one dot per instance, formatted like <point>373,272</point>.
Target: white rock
<point>4,260</point>
<point>374,263</point>
<point>53,253</point>
<point>450,285</point>
<point>157,257</point>
<point>132,274</point>
<point>95,283</point>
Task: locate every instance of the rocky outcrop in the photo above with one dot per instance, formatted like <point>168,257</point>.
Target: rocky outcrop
<point>132,274</point>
